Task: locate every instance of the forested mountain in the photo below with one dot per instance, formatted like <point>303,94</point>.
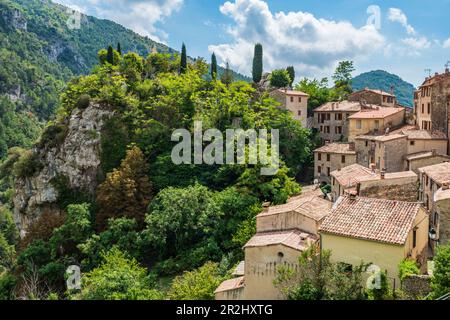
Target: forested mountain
<point>39,53</point>
<point>383,80</point>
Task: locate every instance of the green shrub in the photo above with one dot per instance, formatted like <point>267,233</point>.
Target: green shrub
<point>53,135</point>
<point>407,268</point>
<point>28,164</point>
<point>83,101</point>
<point>7,284</point>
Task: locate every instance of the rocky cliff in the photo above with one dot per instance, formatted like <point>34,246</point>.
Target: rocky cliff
<point>71,164</point>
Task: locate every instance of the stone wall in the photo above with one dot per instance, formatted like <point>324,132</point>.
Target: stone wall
<point>440,98</point>
<point>416,286</point>
<point>395,190</point>
<point>394,152</point>
<point>415,164</point>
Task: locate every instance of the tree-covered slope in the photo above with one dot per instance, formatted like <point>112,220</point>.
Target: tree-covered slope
<point>383,80</point>
<point>39,53</point>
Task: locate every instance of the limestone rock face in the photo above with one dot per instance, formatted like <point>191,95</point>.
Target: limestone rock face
<point>77,159</point>
<point>14,20</point>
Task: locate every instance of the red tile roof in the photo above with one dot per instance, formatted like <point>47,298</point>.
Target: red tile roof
<point>439,173</point>
<point>344,106</point>
<point>380,220</point>
<point>295,239</point>
<point>335,147</point>
<point>349,176</point>
<point>381,92</point>
<point>293,92</point>
<point>231,284</point>
<point>376,112</point>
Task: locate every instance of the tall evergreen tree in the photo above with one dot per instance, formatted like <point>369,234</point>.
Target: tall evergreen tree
<point>119,49</point>
<point>110,55</point>
<point>257,63</point>
<point>213,66</point>
<point>227,76</point>
<point>291,72</point>
<point>183,64</point>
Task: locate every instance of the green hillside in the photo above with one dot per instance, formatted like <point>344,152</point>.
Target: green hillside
<point>383,80</point>
<point>43,53</point>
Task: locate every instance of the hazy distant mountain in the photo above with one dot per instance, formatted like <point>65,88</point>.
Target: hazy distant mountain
<point>383,80</point>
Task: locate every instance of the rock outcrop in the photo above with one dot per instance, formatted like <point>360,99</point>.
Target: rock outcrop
<point>76,158</point>
<point>14,19</point>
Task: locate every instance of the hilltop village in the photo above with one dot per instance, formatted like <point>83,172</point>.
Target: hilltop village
<point>381,191</point>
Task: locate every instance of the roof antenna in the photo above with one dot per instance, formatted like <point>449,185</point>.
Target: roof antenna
<point>429,72</point>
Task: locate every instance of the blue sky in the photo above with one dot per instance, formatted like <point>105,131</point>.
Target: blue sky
<point>407,37</point>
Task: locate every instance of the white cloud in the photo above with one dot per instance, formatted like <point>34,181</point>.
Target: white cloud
<point>311,44</point>
<point>417,43</point>
<point>446,43</point>
<point>397,15</point>
<point>139,15</point>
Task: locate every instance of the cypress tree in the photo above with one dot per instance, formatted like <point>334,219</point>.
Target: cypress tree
<point>291,72</point>
<point>257,63</point>
<point>183,64</point>
<point>227,76</point>
<point>213,66</point>
<point>119,49</point>
<point>110,55</point>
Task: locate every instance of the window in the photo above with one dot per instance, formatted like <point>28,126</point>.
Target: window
<point>328,116</point>
<point>299,112</point>
<point>319,156</point>
<point>423,108</point>
<point>328,157</point>
<point>358,124</point>
<point>426,181</point>
<point>327,129</point>
<point>436,219</point>
<point>377,124</point>
<point>412,142</point>
<point>429,108</point>
<point>299,99</point>
<point>414,237</point>
<point>328,171</point>
<point>338,116</point>
<point>343,159</point>
<point>292,99</point>
<point>319,169</point>
<point>367,143</point>
<point>321,128</point>
<point>338,130</point>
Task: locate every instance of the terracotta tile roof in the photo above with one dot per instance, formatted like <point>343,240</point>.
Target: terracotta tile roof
<point>424,135</point>
<point>341,148</point>
<point>376,112</point>
<point>441,194</point>
<point>231,284</point>
<point>293,92</point>
<point>295,239</point>
<point>381,138</point>
<point>311,204</point>
<point>384,93</point>
<point>350,175</point>
<point>380,220</point>
<point>436,78</point>
<point>345,106</point>
<point>424,155</point>
<point>389,176</point>
<point>439,173</point>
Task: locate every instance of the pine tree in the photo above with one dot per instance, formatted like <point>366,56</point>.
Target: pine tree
<point>183,64</point>
<point>110,55</point>
<point>257,63</point>
<point>213,66</point>
<point>119,49</point>
<point>291,72</point>
<point>227,76</point>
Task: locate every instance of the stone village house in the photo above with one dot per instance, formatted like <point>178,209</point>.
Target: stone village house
<point>294,101</point>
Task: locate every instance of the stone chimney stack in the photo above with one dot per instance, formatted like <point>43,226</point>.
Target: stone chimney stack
<point>445,186</point>
<point>383,174</point>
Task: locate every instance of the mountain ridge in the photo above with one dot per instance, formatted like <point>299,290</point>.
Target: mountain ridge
<point>383,80</point>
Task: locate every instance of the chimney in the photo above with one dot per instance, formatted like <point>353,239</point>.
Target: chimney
<point>352,196</point>
<point>372,167</point>
<point>445,186</point>
<point>351,146</point>
<point>382,174</point>
<point>447,70</point>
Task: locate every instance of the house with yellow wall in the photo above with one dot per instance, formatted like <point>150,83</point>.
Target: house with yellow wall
<point>374,119</point>
<point>378,231</point>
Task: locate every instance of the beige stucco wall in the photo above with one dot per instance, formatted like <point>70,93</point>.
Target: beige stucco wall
<point>335,163</point>
<point>423,116</point>
<point>332,123</point>
<point>297,106</point>
<point>235,294</point>
<point>261,265</point>
<point>386,256</point>
<point>368,125</point>
<point>286,221</point>
<point>386,155</point>
<point>427,145</point>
